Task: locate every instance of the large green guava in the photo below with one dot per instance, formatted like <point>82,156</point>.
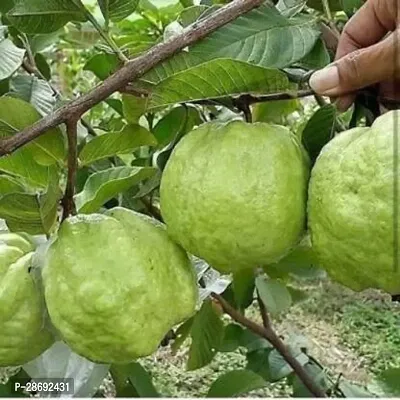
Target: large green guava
<point>115,284</point>
<point>234,194</point>
<point>352,213</point>
<point>23,334</point>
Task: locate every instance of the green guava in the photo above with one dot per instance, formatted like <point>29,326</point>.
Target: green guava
<point>234,194</point>
<point>352,213</point>
<point>23,334</point>
<point>115,284</point>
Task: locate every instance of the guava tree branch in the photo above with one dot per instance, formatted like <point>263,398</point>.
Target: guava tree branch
<point>68,203</point>
<point>131,71</point>
<point>268,333</point>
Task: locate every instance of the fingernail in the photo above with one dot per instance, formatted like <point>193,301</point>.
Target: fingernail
<point>324,80</point>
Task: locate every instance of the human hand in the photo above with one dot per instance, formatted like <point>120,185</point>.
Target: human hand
<point>368,53</point>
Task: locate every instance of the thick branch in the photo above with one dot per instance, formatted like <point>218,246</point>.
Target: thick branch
<point>131,71</point>
<point>68,203</point>
<point>269,334</point>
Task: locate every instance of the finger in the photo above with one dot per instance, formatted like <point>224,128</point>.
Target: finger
<point>343,103</point>
<point>368,26</point>
<point>359,69</point>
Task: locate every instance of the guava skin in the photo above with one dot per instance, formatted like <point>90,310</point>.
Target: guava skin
<point>234,194</point>
<point>23,335</point>
<point>351,208</point>
<point>115,284</point>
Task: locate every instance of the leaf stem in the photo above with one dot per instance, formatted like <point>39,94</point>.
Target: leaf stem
<point>269,334</point>
<point>106,37</point>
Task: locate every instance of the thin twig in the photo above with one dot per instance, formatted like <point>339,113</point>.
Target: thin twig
<point>251,99</point>
<point>329,16</point>
<point>243,104</point>
<point>68,203</point>
<point>263,312</point>
<point>106,37</point>
<point>151,209</point>
<point>339,125</point>
<point>30,66</point>
<point>269,334</point>
<point>88,127</point>
<point>131,71</point>
<point>329,37</point>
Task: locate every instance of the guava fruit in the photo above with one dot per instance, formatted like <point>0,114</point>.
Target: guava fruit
<point>352,213</point>
<point>115,284</point>
<point>23,333</point>
<point>234,194</point>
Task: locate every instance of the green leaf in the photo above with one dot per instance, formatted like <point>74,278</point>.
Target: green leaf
<point>232,338</point>
<point>278,366</point>
<point>102,65</point>
<point>297,295</point>
<point>389,382</point>
<point>207,333</point>
<point>352,390</point>
<point>192,14</point>
<point>235,383</point>
<point>15,115</point>
<point>4,87</point>
<point>254,342</point>
<point>43,66</point>
<point>123,386</point>
<point>217,79</point>
<point>6,5</point>
<point>141,380</point>
<point>32,213</point>
<point>34,91</point>
<point>170,130</point>
<point>170,125</point>
<point>316,374</point>
<point>301,262</point>
<point>350,7</point>
<point>265,38</point>
<point>11,58</point>
<point>117,10</point>
<point>44,16</point>
<point>182,333</point>
<point>317,58</point>
<point>243,288</point>
<point>261,37</point>
<point>111,144</point>
<point>149,186</point>
<point>274,294</point>
<point>319,130</point>
<point>104,185</point>
<point>275,111</point>
<point>8,184</point>
<point>257,361</point>
<point>290,8</point>
<point>134,107</point>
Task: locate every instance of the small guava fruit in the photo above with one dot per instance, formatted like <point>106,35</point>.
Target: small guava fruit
<point>23,332</point>
<point>352,208</point>
<point>234,194</point>
<point>115,284</point>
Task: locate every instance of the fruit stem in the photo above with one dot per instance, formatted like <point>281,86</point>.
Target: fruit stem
<point>68,203</point>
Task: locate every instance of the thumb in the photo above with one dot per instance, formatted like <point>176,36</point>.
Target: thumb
<point>359,69</point>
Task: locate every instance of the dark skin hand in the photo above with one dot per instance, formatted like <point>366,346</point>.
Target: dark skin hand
<point>368,54</point>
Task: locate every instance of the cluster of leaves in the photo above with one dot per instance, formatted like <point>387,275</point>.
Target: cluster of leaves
<point>56,49</point>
